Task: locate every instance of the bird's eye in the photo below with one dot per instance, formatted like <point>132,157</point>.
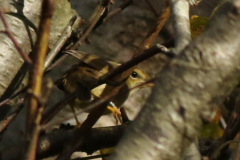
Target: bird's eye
<point>134,74</point>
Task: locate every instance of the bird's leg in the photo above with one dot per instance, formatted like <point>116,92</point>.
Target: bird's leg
<point>116,114</point>
<point>75,116</point>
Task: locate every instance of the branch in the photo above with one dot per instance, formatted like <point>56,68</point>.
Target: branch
<point>53,143</point>
<point>135,61</point>
<point>146,43</point>
<point>94,19</point>
<point>34,112</point>
<point>118,9</point>
<point>187,91</point>
<point>152,8</point>
<point>9,117</point>
<point>59,44</point>
<point>181,24</point>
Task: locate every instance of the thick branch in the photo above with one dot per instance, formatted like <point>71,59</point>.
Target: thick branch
<point>53,143</point>
<point>181,25</point>
<point>186,92</point>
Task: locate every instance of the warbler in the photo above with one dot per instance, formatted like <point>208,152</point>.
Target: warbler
<point>83,77</point>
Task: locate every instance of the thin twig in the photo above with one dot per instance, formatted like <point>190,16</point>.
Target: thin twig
<point>134,61</point>
<point>99,12</point>
<point>10,116</point>
<point>53,65</point>
<point>61,41</point>
<point>152,8</point>
<point>56,108</point>
<point>10,35</point>
<point>50,114</point>
<point>100,9</point>
<point>118,9</point>
<point>153,33</point>
<point>146,43</point>
<point>13,96</point>
<point>34,112</point>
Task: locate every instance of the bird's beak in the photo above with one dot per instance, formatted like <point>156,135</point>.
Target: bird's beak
<point>150,84</point>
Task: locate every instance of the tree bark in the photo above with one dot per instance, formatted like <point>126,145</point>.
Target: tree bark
<point>22,21</point>
<point>187,91</point>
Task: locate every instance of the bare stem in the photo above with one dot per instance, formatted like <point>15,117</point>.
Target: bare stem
<point>99,11</point>
<point>10,35</point>
<point>118,9</point>
<point>61,41</point>
<point>147,42</point>
<point>152,8</point>
<point>34,113</point>
<point>134,61</point>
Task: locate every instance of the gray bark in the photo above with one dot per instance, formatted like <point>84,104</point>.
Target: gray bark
<point>23,22</point>
<point>186,92</point>
<point>181,25</point>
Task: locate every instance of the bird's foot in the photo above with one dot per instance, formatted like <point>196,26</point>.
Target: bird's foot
<point>116,114</point>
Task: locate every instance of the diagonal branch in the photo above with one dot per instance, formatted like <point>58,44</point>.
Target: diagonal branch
<point>146,43</point>
<point>98,13</point>
<point>118,9</point>
<point>10,35</point>
<point>59,44</point>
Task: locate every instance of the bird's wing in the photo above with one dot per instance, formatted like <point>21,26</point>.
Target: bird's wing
<point>61,81</point>
<point>97,91</point>
<point>93,61</point>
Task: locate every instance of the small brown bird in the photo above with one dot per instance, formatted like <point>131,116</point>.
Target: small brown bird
<point>83,77</point>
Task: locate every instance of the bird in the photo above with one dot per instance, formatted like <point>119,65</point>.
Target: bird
<point>82,79</point>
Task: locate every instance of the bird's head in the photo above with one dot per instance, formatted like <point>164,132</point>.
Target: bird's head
<point>138,79</point>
